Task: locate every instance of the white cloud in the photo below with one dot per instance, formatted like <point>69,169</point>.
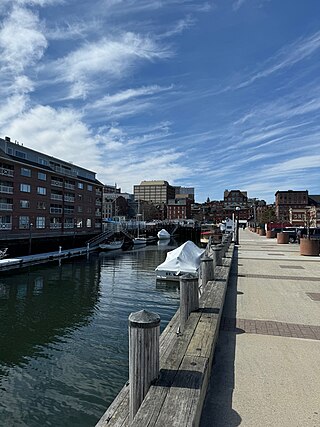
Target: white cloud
<point>60,133</point>
<point>22,42</point>
<point>108,58</point>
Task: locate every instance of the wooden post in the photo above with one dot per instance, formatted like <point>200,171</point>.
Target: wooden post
<point>207,272</point>
<point>216,255</point>
<point>189,297</point>
<point>144,332</point>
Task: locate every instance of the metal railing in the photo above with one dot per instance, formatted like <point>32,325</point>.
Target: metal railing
<point>6,206</point>
<point>6,189</point>
<point>7,172</point>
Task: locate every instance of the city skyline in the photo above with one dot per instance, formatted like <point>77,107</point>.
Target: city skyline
<point>208,94</point>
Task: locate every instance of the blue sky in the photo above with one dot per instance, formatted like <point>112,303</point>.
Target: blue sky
<point>217,95</point>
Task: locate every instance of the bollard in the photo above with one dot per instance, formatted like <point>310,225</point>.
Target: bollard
<point>189,297</point>
<point>60,248</point>
<point>144,332</point>
<point>216,255</point>
<point>207,272</point>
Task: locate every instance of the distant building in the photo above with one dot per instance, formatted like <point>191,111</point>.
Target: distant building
<point>45,195</point>
<point>179,209</point>
<point>284,200</point>
<point>114,202</point>
<point>184,193</point>
<point>156,192</point>
<point>234,198</point>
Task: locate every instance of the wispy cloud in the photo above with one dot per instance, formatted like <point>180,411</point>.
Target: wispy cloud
<point>108,58</point>
<point>27,45</point>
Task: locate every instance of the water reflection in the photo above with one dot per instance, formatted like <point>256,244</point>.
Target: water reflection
<point>63,335</point>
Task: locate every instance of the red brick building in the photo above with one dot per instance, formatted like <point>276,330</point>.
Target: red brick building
<point>45,195</point>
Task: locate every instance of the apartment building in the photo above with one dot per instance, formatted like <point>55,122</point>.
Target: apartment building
<point>45,195</point>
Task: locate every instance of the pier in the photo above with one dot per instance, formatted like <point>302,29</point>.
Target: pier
<point>25,261</point>
<point>249,356</point>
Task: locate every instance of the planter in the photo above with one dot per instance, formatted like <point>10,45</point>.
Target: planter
<point>262,232</point>
<point>282,238</point>
<point>270,234</point>
<point>309,247</point>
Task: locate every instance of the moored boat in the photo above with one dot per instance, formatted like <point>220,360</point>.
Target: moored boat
<point>163,234</point>
<point>112,245</point>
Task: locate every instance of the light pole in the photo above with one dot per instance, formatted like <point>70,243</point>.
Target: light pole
<point>237,225</point>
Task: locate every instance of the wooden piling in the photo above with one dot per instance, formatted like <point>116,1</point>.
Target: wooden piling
<point>189,297</point>
<point>144,332</point>
<point>207,272</point>
<point>216,255</point>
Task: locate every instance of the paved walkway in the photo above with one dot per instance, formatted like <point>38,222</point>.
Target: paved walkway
<point>267,363</point>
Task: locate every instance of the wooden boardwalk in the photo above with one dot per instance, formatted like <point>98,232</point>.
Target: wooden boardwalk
<point>177,397</point>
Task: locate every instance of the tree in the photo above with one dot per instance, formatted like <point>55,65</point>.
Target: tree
<point>269,215</point>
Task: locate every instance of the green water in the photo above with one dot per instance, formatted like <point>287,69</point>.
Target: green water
<point>64,338</point>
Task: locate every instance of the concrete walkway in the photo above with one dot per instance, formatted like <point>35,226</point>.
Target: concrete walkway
<point>266,369</point>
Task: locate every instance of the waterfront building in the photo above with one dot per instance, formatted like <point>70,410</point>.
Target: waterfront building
<point>284,200</point>
<point>235,198</point>
<point>179,209</point>
<point>157,192</point>
<point>45,195</point>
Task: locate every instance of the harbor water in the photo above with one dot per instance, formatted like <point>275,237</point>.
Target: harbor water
<point>64,334</point>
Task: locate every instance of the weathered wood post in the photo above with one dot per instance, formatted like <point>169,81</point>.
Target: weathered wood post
<point>189,297</point>
<point>144,332</point>
<point>216,255</point>
<point>207,272</point>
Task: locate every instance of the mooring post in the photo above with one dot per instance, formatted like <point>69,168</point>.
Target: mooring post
<point>207,272</point>
<point>216,255</point>
<point>144,332</point>
<point>189,297</point>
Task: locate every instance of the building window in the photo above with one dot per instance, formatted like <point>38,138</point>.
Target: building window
<point>40,222</point>
<point>42,176</point>
<point>43,161</point>
<point>42,190</point>
<point>79,222</point>
<point>80,185</point>
<point>25,172</point>
<point>24,204</point>
<point>41,205</point>
<point>90,187</point>
<point>20,154</point>
<point>80,209</point>
<point>88,223</point>
<point>23,222</point>
<point>25,188</point>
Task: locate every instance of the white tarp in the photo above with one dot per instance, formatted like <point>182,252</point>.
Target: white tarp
<point>163,234</point>
<point>184,259</point>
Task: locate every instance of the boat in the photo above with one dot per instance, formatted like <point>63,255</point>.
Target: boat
<point>140,240</point>
<point>111,245</point>
<point>163,234</point>
<point>184,259</point>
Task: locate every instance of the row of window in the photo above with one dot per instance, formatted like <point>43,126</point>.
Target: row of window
<point>43,176</point>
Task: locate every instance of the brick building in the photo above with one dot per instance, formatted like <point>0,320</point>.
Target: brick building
<point>179,209</point>
<point>46,195</point>
<point>284,200</point>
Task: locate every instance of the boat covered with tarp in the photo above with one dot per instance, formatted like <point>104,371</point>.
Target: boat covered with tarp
<point>163,234</point>
<point>184,259</point>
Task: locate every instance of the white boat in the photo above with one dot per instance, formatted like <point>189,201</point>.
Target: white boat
<point>140,241</point>
<point>184,259</point>
<point>163,235</point>
<point>112,245</point>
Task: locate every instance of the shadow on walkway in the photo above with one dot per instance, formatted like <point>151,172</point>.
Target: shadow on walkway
<point>217,409</point>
